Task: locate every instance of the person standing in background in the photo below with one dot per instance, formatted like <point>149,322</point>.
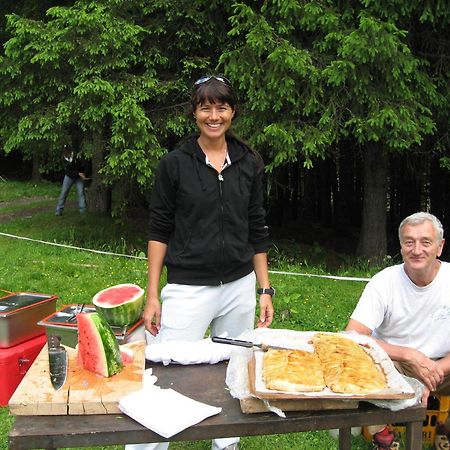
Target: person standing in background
<point>74,173</point>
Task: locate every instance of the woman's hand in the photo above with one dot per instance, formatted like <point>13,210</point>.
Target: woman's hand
<point>265,311</point>
<point>156,252</point>
<point>152,315</point>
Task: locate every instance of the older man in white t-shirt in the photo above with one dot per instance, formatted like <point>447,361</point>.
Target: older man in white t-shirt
<point>407,307</point>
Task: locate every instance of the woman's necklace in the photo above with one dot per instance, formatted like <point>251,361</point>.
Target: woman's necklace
<point>216,157</point>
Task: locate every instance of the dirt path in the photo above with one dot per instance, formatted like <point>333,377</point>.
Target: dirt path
<point>28,210</point>
<point>24,201</point>
<point>23,213</point>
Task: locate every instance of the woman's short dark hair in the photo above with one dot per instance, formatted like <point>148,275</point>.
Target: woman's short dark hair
<point>214,90</point>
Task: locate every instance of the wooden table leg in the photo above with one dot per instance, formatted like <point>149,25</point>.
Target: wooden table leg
<point>414,435</point>
<point>345,438</point>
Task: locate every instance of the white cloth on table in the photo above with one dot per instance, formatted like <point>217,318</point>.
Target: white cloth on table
<point>164,411</point>
<point>186,352</point>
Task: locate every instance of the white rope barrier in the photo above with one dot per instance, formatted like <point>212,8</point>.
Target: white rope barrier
<point>101,252</point>
<point>331,277</point>
<point>73,247</point>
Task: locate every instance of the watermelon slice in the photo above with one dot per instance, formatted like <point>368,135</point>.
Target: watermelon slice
<point>127,355</point>
<point>98,349</point>
<point>121,305</point>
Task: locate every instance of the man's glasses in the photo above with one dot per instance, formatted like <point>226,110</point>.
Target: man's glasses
<point>220,78</point>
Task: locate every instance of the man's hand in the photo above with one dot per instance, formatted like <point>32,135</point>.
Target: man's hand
<point>266,311</point>
<point>425,395</point>
<point>425,369</point>
<point>152,315</point>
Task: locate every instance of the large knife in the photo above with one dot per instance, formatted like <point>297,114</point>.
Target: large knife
<point>248,344</point>
<point>58,361</point>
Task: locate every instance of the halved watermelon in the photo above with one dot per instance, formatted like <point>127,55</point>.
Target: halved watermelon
<point>121,305</point>
<point>98,349</point>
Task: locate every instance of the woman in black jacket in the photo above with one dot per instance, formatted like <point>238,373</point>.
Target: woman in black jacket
<point>208,228</point>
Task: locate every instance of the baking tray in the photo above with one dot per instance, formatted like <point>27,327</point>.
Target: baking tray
<point>398,387</point>
<point>64,323</point>
<point>19,314</point>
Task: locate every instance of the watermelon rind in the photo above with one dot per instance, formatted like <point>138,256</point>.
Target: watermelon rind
<point>120,311</point>
<point>98,349</point>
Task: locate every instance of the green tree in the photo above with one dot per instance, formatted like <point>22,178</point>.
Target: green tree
<point>115,73</point>
<point>62,73</point>
<point>31,9</point>
<point>318,72</point>
<point>319,79</point>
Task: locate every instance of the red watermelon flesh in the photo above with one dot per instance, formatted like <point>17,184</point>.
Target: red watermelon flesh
<point>121,304</point>
<point>116,296</point>
<point>98,349</point>
<point>127,355</point>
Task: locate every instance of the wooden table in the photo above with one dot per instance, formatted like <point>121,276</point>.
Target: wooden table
<point>205,383</point>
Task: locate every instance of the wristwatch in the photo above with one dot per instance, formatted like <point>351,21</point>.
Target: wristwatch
<point>270,291</point>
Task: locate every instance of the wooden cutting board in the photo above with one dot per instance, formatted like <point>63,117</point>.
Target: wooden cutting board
<point>83,393</point>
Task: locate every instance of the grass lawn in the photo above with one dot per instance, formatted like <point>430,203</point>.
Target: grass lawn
<point>76,274</point>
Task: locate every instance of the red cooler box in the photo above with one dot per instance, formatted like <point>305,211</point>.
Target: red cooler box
<point>14,363</point>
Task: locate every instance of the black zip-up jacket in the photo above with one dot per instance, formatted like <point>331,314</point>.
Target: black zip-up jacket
<point>73,168</point>
<point>213,223</point>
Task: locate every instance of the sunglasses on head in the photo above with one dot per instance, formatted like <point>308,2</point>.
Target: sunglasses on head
<point>220,78</point>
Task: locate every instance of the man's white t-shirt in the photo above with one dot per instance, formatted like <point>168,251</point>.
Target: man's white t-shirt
<point>401,313</point>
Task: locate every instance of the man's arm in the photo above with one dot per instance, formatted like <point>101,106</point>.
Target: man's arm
<point>430,372</point>
<point>444,364</point>
<point>354,325</point>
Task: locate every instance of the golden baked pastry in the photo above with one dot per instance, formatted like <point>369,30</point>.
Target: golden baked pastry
<point>292,371</point>
<point>347,367</point>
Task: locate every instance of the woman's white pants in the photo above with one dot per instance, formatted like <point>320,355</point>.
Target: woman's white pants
<point>188,311</point>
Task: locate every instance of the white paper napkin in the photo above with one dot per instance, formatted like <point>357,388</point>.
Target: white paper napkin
<point>186,352</point>
<point>165,411</point>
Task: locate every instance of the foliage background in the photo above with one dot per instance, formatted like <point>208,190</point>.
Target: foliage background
<point>347,101</point>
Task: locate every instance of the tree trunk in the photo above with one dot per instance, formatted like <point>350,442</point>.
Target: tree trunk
<point>348,201</point>
<point>35,173</point>
<point>279,197</point>
<point>98,194</point>
<point>372,239</point>
<point>440,206</point>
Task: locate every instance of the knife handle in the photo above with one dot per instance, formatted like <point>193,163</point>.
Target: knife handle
<point>54,341</point>
<point>221,340</point>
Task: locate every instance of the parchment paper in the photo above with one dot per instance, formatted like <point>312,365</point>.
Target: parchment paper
<point>238,381</point>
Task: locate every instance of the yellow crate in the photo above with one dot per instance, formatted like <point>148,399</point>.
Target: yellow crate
<point>439,414</point>
<point>444,402</point>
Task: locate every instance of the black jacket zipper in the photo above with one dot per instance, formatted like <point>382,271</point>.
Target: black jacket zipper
<point>220,178</point>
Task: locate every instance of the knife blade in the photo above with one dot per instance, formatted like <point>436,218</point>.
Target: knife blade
<point>248,344</point>
<point>58,361</point>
